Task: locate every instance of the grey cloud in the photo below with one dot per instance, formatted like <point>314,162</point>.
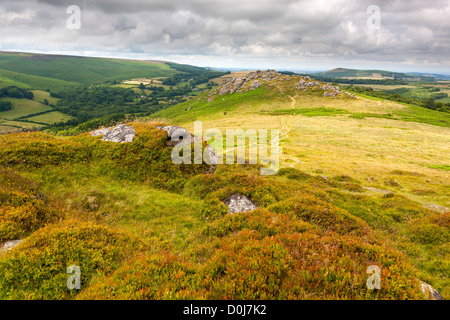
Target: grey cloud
<point>412,30</point>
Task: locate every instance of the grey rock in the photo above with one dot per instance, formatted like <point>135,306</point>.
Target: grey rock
<point>255,85</point>
<point>429,291</point>
<point>121,133</point>
<point>239,203</point>
<point>8,245</point>
<point>100,132</point>
<point>178,135</point>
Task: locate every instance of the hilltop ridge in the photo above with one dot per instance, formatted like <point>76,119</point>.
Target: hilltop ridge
<point>272,78</point>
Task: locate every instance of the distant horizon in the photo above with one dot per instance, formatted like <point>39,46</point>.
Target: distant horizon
<point>234,68</point>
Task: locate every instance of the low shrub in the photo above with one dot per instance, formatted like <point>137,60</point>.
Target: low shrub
<point>36,269</point>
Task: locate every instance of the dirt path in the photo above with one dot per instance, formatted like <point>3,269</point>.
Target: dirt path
<point>293,101</point>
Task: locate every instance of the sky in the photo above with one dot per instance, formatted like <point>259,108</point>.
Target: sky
<point>306,35</point>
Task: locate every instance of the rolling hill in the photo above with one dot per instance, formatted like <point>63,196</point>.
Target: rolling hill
<point>81,69</point>
<point>362,182</point>
<point>373,74</point>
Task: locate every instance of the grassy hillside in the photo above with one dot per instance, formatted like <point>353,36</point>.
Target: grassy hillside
<point>140,227</point>
<point>80,69</point>
<point>22,80</point>
<point>356,186</point>
<point>382,145</point>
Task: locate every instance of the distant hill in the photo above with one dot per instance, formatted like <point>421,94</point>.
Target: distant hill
<point>81,69</point>
<point>373,74</point>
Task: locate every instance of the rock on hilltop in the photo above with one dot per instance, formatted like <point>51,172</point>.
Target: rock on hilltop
<point>256,79</point>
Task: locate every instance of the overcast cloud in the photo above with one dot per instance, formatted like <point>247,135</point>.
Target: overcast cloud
<point>284,34</point>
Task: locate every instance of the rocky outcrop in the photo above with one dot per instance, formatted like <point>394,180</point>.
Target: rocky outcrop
<point>179,135</point>
<point>305,83</point>
<point>239,203</point>
<point>251,81</point>
<point>254,80</point>
<point>429,291</point>
<point>121,133</point>
<point>255,85</point>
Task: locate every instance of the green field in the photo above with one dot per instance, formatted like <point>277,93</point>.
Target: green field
<point>50,117</point>
<point>23,108</point>
<point>39,96</point>
<point>78,69</point>
<point>10,78</point>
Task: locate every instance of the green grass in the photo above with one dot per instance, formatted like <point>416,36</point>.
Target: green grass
<point>445,167</point>
<point>226,103</point>
<point>10,78</point>
<point>50,117</point>
<point>423,115</point>
<point>309,112</point>
<point>22,108</point>
<point>79,69</point>
<point>40,95</point>
<point>22,124</point>
<point>363,115</point>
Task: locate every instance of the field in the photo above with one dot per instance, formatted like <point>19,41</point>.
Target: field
<point>10,78</point>
<point>22,108</point>
<point>80,69</point>
<point>50,117</point>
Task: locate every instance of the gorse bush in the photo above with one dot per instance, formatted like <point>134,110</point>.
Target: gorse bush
<point>431,230</point>
<point>322,214</point>
<point>163,276</point>
<point>38,269</point>
<point>23,208</point>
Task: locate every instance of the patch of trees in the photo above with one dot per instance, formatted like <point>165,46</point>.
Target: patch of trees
<point>16,92</point>
<point>5,105</point>
<point>89,102</point>
<point>193,75</point>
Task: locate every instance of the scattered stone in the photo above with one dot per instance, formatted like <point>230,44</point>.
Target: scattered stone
<point>323,177</point>
<point>430,292</point>
<point>179,135</point>
<point>121,133</point>
<point>239,203</point>
<point>8,245</point>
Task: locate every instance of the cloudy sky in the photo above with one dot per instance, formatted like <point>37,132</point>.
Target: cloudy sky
<point>407,35</point>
